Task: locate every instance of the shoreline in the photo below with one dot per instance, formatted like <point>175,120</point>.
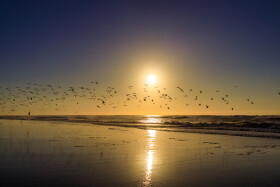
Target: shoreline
<point>246,132</point>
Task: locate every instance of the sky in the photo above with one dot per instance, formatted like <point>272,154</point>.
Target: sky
<point>199,45</point>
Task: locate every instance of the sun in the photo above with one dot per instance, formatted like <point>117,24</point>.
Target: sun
<point>151,80</point>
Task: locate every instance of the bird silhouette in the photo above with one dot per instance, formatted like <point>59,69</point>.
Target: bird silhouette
<point>56,97</point>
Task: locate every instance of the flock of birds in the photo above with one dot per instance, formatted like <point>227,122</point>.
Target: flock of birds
<point>14,99</point>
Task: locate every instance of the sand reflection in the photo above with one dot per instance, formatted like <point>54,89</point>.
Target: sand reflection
<point>150,157</point>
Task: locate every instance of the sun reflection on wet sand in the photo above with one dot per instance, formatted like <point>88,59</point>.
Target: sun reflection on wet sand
<point>150,157</point>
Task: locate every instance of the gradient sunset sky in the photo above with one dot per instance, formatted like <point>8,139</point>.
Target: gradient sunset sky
<point>199,45</point>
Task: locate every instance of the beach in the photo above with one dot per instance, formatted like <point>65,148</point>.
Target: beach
<point>57,153</point>
<point>139,93</point>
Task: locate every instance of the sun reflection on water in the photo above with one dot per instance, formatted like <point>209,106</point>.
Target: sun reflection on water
<point>152,135</point>
<point>150,157</point>
<point>152,120</point>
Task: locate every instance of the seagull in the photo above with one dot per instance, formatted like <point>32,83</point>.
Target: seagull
<point>181,90</point>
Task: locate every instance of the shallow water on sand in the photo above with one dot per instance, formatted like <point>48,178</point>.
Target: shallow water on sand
<point>46,153</point>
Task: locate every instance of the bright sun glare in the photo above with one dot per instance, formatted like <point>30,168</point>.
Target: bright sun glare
<point>151,79</point>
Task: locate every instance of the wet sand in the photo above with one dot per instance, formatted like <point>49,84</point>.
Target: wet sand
<point>34,153</point>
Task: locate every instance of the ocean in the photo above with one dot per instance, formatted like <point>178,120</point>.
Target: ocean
<point>239,125</point>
